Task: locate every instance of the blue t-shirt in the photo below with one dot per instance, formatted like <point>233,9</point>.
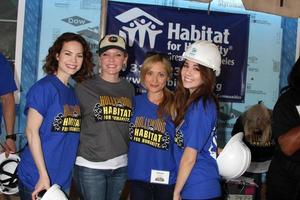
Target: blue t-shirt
<point>59,132</point>
<point>7,82</point>
<point>198,131</point>
<point>151,143</point>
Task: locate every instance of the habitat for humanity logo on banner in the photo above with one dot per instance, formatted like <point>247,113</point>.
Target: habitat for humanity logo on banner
<point>170,31</point>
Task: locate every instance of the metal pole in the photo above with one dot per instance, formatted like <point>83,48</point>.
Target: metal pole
<point>102,27</point>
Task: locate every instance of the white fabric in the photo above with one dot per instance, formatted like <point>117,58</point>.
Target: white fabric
<point>115,163</point>
<point>259,167</point>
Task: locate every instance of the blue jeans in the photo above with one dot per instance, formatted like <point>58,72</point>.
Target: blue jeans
<point>96,184</point>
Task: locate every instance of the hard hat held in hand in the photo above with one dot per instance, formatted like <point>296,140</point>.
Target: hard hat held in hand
<point>235,158</point>
<point>53,193</point>
<point>8,173</point>
<point>204,53</point>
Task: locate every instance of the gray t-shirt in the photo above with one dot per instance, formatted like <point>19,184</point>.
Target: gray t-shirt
<point>106,109</point>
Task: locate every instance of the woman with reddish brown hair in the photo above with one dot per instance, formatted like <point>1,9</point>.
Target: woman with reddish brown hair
<point>54,118</point>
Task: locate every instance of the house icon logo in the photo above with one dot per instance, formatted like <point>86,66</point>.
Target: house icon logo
<point>138,25</point>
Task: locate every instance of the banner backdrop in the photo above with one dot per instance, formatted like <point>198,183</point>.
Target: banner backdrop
<point>170,31</point>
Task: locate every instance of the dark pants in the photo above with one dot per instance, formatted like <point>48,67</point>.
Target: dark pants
<point>150,191</point>
<point>283,180</point>
<point>24,192</point>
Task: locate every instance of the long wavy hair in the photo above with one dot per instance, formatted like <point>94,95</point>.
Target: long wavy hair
<point>183,99</point>
<point>51,63</point>
<point>164,107</point>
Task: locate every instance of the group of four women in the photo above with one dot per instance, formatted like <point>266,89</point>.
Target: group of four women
<point>172,137</point>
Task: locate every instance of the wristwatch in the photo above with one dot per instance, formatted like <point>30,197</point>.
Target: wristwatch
<point>12,136</point>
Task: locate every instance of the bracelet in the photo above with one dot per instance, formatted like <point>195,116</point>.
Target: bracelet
<point>12,136</point>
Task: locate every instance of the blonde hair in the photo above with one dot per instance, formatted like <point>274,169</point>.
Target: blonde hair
<point>164,107</point>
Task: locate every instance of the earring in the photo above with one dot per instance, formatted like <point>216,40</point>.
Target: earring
<point>124,67</point>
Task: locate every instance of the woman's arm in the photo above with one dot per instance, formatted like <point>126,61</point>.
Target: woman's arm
<point>187,163</point>
<point>290,141</point>
<point>34,121</point>
<point>9,114</point>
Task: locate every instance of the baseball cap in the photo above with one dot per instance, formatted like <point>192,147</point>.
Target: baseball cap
<point>111,42</point>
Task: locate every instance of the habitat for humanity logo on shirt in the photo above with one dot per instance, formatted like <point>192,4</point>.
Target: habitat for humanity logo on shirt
<point>151,132</point>
<point>69,121</point>
<point>113,109</point>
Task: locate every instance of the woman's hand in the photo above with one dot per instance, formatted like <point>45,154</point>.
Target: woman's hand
<point>42,184</point>
<point>9,147</point>
<point>176,196</point>
<point>34,121</point>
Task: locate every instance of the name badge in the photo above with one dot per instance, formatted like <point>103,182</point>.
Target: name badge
<point>158,176</point>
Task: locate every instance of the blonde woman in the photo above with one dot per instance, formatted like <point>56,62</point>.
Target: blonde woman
<point>105,99</point>
<point>151,167</point>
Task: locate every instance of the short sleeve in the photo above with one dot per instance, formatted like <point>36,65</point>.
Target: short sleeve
<point>285,116</point>
<point>39,98</point>
<point>7,82</point>
<point>200,124</point>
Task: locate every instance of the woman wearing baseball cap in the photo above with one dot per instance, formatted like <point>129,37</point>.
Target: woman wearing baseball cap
<point>105,100</point>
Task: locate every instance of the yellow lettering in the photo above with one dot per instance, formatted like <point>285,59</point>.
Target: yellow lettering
<point>136,132</point>
<point>65,123</point>
<point>159,138</point>
<point>109,110</point>
<point>141,133</point>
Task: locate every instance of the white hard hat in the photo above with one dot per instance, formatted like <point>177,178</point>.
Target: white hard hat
<point>53,193</point>
<point>235,158</point>
<point>8,173</point>
<point>204,53</point>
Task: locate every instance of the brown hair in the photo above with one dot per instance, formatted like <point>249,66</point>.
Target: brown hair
<point>164,107</point>
<point>51,63</point>
<point>183,99</point>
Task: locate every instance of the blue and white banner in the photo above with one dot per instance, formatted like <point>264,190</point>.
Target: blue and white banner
<point>170,30</point>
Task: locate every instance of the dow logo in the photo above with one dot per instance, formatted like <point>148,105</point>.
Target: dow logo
<point>76,21</point>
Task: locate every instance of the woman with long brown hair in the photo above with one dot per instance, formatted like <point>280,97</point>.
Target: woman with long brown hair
<point>195,112</point>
